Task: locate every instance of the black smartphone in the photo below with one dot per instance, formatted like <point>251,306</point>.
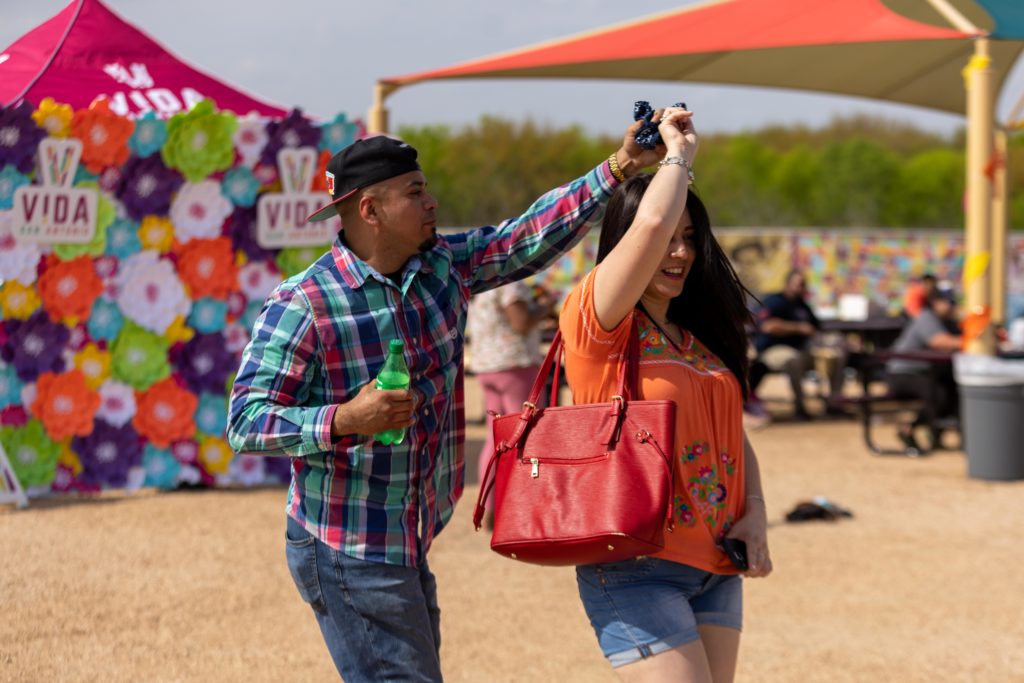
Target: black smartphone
<point>737,552</point>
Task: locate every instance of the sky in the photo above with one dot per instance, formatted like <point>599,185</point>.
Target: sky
<point>326,55</point>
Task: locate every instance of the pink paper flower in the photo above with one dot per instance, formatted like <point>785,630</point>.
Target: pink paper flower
<point>117,403</point>
<point>250,137</point>
<point>258,279</point>
<point>150,293</point>
<point>199,210</point>
<point>18,261</point>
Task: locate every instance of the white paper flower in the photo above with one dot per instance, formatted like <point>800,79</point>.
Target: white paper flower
<point>117,403</point>
<point>17,261</point>
<point>150,293</point>
<point>250,138</point>
<point>199,210</point>
<point>257,279</point>
<point>247,470</point>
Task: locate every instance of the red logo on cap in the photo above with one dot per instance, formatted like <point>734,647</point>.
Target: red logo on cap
<point>330,182</point>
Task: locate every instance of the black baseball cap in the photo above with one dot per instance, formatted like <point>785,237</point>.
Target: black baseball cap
<point>364,163</point>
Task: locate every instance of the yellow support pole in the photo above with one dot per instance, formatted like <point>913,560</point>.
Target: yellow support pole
<point>999,191</point>
<point>378,114</point>
<point>978,334</point>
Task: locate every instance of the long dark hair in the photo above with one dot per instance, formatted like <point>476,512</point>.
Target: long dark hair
<point>712,305</point>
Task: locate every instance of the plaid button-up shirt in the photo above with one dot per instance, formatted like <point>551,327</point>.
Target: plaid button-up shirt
<point>323,334</point>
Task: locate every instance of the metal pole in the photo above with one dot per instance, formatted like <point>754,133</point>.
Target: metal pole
<point>979,338</point>
<point>378,114</point>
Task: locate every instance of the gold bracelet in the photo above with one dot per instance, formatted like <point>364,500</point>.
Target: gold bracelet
<point>613,165</point>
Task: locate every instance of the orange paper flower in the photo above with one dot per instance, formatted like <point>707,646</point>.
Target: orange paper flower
<point>65,404</point>
<point>69,289</point>
<point>164,413</point>
<point>104,136</point>
<point>207,267</point>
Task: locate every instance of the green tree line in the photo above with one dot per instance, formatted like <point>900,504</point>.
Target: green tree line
<point>854,172</point>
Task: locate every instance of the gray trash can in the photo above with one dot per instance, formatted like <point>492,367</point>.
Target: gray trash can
<point>992,415</point>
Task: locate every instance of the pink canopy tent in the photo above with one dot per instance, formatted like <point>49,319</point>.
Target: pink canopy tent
<point>86,51</point>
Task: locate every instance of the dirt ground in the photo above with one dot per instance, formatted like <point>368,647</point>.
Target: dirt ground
<point>923,584</point>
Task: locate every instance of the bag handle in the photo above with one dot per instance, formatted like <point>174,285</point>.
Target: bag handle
<point>628,373</point>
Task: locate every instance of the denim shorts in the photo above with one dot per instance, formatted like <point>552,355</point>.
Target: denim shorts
<point>644,606</point>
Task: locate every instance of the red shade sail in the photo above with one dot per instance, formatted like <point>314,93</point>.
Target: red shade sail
<point>87,51</point>
<point>854,47</point>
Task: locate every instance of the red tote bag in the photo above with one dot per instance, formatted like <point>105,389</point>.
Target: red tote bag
<point>585,483</point>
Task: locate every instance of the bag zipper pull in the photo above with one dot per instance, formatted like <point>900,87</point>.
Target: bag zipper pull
<point>535,469</point>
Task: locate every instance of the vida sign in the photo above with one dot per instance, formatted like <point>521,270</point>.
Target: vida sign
<point>281,216</point>
<point>55,212</point>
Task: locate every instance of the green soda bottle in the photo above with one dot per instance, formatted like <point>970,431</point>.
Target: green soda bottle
<point>394,375</point>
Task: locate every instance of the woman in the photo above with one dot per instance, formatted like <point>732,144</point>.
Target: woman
<point>675,615</point>
<point>505,355</point>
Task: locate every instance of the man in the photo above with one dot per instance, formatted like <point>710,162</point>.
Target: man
<point>361,515</point>
<point>914,299</point>
<point>785,326</point>
<point>934,329</point>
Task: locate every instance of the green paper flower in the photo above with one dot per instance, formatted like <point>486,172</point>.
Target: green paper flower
<point>296,259</point>
<point>199,142</point>
<point>105,215</point>
<point>139,357</point>
<point>33,454</point>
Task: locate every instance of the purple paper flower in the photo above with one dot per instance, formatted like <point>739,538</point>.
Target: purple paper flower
<point>293,131</point>
<point>205,364</point>
<point>241,227</point>
<point>108,453</point>
<point>146,187</point>
<point>34,346</point>
<point>19,136</point>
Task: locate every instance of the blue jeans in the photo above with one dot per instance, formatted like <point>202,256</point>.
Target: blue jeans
<point>380,621</point>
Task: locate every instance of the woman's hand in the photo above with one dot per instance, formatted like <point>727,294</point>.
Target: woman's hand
<point>632,158</point>
<point>752,529</point>
<point>677,132</point>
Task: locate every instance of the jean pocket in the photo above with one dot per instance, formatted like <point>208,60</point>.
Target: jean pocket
<point>301,555</point>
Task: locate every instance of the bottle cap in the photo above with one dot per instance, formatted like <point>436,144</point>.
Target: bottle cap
<point>396,346</point>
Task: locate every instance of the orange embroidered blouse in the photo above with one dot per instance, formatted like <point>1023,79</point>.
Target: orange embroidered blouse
<point>709,484</point>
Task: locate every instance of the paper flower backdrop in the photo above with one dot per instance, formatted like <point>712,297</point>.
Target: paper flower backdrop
<point>116,355</point>
<point>199,142</point>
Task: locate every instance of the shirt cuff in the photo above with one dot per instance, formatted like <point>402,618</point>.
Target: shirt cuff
<point>601,180</point>
<point>318,429</point>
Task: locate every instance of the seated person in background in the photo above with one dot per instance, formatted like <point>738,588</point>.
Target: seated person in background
<point>934,329</point>
<point>785,326</point>
<point>917,293</point>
